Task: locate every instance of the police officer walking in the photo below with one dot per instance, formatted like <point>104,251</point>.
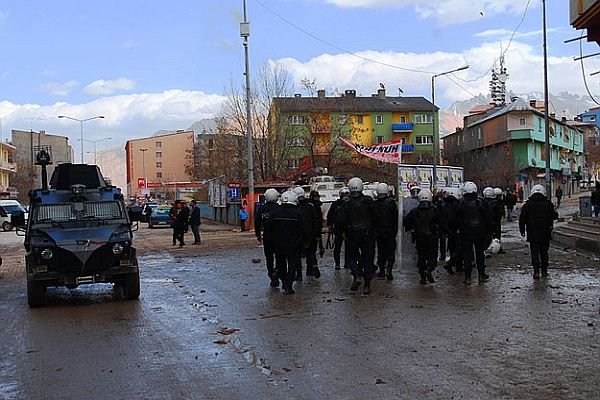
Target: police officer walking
<point>311,215</point>
<point>447,211</point>
<point>264,232</point>
<point>494,204</point>
<point>335,229</point>
<point>424,222</point>
<point>290,235</point>
<point>475,226</point>
<point>386,229</point>
<point>536,220</point>
<point>357,226</point>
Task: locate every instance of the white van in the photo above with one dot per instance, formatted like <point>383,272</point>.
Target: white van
<point>7,207</point>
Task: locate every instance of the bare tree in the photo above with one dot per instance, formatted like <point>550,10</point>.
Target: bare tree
<point>23,180</point>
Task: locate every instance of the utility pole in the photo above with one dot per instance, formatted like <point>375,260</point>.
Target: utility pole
<point>546,116</point>
<point>245,34</point>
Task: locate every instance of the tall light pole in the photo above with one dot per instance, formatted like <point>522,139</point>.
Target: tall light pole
<point>546,116</point>
<point>144,150</point>
<point>436,139</point>
<point>81,121</point>
<point>94,143</point>
<point>245,34</point>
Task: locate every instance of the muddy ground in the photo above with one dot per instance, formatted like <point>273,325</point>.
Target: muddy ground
<point>510,338</point>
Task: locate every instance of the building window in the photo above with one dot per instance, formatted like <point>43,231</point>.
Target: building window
<point>342,119</point>
<point>359,119</point>
<point>159,164</point>
<point>379,139</point>
<point>211,144</point>
<point>158,175</point>
<point>296,120</point>
<point>295,141</point>
<point>379,119</point>
<point>158,144</point>
<point>402,119</point>
<point>423,119</point>
<point>523,121</point>
<point>294,163</point>
<point>424,140</point>
<point>479,133</point>
<point>159,154</point>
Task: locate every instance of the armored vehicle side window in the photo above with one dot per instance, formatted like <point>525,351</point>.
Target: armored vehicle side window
<point>85,210</point>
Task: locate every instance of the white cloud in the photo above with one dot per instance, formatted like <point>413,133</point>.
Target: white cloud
<point>60,89</point>
<point>524,63</point>
<point>445,11</point>
<point>130,44</point>
<point>127,116</point>
<point>505,34</point>
<point>103,87</point>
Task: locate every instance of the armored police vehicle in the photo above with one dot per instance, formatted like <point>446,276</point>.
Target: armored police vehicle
<point>79,231</point>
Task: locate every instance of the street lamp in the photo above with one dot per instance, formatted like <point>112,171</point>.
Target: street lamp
<point>144,150</point>
<point>81,121</point>
<point>436,141</point>
<point>94,142</point>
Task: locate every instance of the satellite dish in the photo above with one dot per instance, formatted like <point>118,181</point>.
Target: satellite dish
<point>502,78</point>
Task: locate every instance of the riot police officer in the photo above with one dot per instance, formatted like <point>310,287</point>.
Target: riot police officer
<point>474,220</point>
<point>357,225</point>
<point>335,229</point>
<point>290,236</point>
<point>386,229</point>
<point>536,220</point>
<point>264,232</point>
<point>424,222</point>
<point>447,211</point>
<point>311,215</point>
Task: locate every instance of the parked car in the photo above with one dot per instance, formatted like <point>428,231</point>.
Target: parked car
<point>7,207</point>
<point>159,217</point>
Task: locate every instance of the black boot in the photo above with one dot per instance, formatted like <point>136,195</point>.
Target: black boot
<point>448,268</point>
<point>544,272</point>
<point>381,273</point>
<point>316,272</point>
<point>467,280</point>
<point>367,287</point>
<point>309,271</point>
<point>355,284</point>
<point>299,275</point>
<point>423,278</point>
<point>287,288</point>
<point>482,276</point>
<point>536,273</point>
<point>337,267</point>
<point>388,273</point>
<point>430,277</point>
<point>274,279</point>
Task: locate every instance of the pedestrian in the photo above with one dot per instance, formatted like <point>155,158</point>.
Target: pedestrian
<point>447,210</point>
<point>264,232</point>
<point>181,222</point>
<point>173,211</point>
<point>195,222</point>
<point>423,221</point>
<point>558,194</point>
<point>536,220</point>
<point>335,228</point>
<point>243,218</point>
<point>510,201</point>
<point>386,229</point>
<point>596,200</point>
<point>474,220</point>
<point>290,236</point>
<point>357,225</point>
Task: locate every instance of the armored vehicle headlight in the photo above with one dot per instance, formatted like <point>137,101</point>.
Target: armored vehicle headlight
<point>47,254</point>
<point>117,248</point>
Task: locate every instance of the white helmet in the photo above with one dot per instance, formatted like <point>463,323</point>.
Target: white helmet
<point>414,191</point>
<point>289,197</point>
<point>382,189</point>
<point>344,191</point>
<point>538,189</point>
<point>425,195</point>
<point>498,192</point>
<point>271,195</point>
<point>355,184</point>
<point>300,193</point>
<point>452,192</point>
<point>488,193</point>
<point>469,187</point>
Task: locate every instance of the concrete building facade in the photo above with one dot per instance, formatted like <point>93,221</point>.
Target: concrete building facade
<point>27,143</point>
<point>7,169</point>
<point>160,159</point>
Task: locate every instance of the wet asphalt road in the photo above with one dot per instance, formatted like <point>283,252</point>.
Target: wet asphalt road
<point>510,338</point>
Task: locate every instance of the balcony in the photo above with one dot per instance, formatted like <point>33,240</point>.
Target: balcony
<point>407,127</point>
<point>8,166</point>
<point>322,150</point>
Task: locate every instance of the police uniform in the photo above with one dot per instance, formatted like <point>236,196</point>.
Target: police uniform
<point>264,232</point>
<point>386,229</point>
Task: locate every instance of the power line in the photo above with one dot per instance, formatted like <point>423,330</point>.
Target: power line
<point>314,36</point>
<point>583,72</point>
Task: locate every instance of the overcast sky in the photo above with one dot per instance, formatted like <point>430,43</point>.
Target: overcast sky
<point>150,65</point>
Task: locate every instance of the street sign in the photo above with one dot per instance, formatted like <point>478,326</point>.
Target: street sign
<point>233,193</point>
<point>141,183</point>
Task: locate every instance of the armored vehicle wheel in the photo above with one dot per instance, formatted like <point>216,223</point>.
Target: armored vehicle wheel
<point>35,293</point>
<point>131,284</point>
<point>6,226</point>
